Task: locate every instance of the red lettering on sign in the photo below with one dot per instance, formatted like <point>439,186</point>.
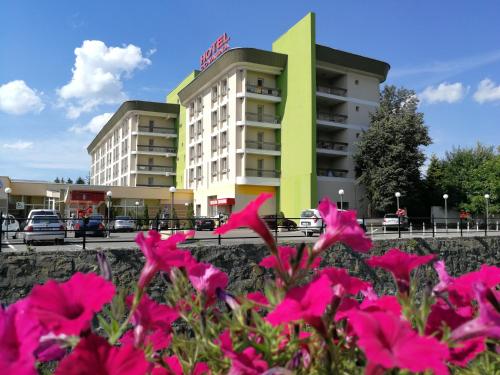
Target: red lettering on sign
<point>216,49</point>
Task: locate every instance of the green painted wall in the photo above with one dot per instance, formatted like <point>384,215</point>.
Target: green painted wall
<point>298,188</point>
<point>181,130</point>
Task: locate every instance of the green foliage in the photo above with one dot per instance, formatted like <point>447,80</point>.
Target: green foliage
<point>146,215</point>
<point>389,155</point>
<point>57,180</point>
<point>69,181</point>
<point>466,174</point>
<point>80,181</point>
<point>190,215</point>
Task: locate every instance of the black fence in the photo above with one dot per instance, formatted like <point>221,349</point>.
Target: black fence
<point>101,230</point>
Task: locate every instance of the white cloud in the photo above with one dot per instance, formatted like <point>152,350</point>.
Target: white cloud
<point>94,125</point>
<point>487,91</point>
<point>445,92</point>
<point>18,145</point>
<point>17,98</point>
<point>98,76</point>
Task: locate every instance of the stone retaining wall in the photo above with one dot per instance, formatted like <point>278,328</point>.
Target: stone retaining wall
<point>20,271</point>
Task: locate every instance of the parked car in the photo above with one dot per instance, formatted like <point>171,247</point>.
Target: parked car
<point>287,224</point>
<point>44,228</point>
<point>123,223</point>
<point>391,221</point>
<point>10,225</point>
<point>94,226</point>
<point>39,212</point>
<point>311,222</point>
<point>204,223</point>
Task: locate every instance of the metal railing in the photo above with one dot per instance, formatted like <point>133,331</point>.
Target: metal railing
<point>333,117</point>
<point>156,129</point>
<point>154,168</point>
<point>261,145</point>
<point>252,172</point>
<point>263,90</point>
<point>147,148</point>
<point>330,172</point>
<point>332,90</point>
<point>330,145</point>
<point>262,117</point>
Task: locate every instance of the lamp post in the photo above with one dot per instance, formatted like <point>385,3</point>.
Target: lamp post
<point>137,215</point>
<point>109,195</point>
<point>398,195</point>
<point>7,190</point>
<point>172,190</point>
<point>341,193</point>
<point>487,199</point>
<point>445,197</point>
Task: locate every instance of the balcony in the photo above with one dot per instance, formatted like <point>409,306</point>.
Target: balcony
<point>331,117</point>
<point>331,172</point>
<point>338,91</point>
<point>260,148</point>
<point>154,169</point>
<point>155,150</point>
<point>154,185</point>
<point>262,173</point>
<point>332,148</point>
<point>260,120</point>
<point>269,94</point>
<point>155,131</point>
<point>262,177</point>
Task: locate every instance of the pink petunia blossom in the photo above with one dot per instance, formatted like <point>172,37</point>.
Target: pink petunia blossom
<point>465,351</point>
<point>162,255</point>
<point>443,315</point>
<point>258,298</point>
<point>444,279</point>
<point>400,264</point>
<point>307,303</point>
<point>287,255</point>
<point>175,368</point>
<point>69,307</point>
<point>155,322</point>
<point>19,337</point>
<point>389,342</point>
<point>248,362</point>
<point>93,355</point>
<point>206,279</point>
<point>351,285</point>
<point>461,289</point>
<point>249,217</point>
<point>341,226</point>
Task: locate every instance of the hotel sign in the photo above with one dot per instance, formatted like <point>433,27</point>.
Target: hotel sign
<point>217,48</point>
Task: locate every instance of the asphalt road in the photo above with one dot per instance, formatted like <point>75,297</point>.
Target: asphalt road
<point>239,236</point>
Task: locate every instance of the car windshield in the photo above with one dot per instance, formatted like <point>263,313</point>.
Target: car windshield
<point>46,219</point>
<point>123,218</point>
<point>307,213</point>
<point>391,216</point>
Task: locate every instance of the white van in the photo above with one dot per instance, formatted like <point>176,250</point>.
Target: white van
<point>311,222</point>
<point>11,225</point>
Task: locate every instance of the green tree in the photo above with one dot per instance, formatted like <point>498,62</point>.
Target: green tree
<point>80,181</point>
<point>146,215</point>
<point>389,155</point>
<point>69,181</point>
<point>190,215</point>
<point>57,180</point>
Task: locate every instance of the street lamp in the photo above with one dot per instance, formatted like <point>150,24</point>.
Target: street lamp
<point>486,198</point>
<point>172,190</point>
<point>341,193</point>
<point>445,197</point>
<point>398,195</point>
<point>7,190</point>
<point>137,215</point>
<point>109,194</point>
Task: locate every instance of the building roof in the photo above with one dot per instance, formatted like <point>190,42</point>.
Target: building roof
<point>132,105</point>
<point>232,56</point>
<point>350,60</point>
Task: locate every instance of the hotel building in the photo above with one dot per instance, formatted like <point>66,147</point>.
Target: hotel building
<point>284,121</point>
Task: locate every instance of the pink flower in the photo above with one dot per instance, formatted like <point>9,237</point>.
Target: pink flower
<point>465,351</point>
<point>258,298</point>
<point>70,306</point>
<point>175,368</point>
<point>287,255</point>
<point>350,285</point>
<point>461,289</point>
<point>400,264</point>
<point>306,303</point>
<point>248,362</point>
<point>249,217</point>
<point>155,321</point>
<point>442,314</point>
<point>93,355</point>
<point>206,279</point>
<point>162,254</point>
<point>444,279</point>
<point>390,342</point>
<point>18,340</point>
<point>341,226</point>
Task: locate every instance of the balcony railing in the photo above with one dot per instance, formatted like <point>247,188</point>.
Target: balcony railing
<point>263,90</point>
<point>330,172</point>
<point>170,150</point>
<point>271,146</point>
<point>332,90</point>
<point>154,168</point>
<point>156,129</point>
<point>262,173</point>
<point>262,117</point>
<point>335,117</point>
<point>329,145</point>
<point>154,185</point>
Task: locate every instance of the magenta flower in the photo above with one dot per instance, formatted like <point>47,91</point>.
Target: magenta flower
<point>307,303</point>
<point>444,279</point>
<point>350,285</point>
<point>206,279</point>
<point>249,217</point>
<point>461,289</point>
<point>287,256</point>
<point>442,314</point>
<point>389,342</point>
<point>175,368</point>
<point>487,324</point>
<point>465,351</point>
<point>400,264</point>
<point>162,255</point>
<point>248,362</point>
<point>19,337</point>
<point>155,322</point>
<point>341,226</point>
<point>93,355</point>
<point>70,306</point>
<point>258,298</point>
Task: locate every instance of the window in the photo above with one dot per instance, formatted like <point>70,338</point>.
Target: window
<point>214,143</point>
<point>260,167</point>
<point>198,173</point>
<point>223,88</point>
<point>260,140</point>
<point>151,125</point>
<point>223,139</point>
<point>356,82</point>
<point>223,113</point>
<point>357,108</point>
<point>191,154</point>
<point>199,151</point>
<point>260,82</point>
<point>191,131</point>
<point>199,127</point>
<point>151,181</point>
<point>199,105</point>
<point>191,174</point>
<point>223,165</point>
<point>260,113</point>
<point>214,119</point>
<point>191,109</point>
<point>214,168</point>
<point>214,94</point>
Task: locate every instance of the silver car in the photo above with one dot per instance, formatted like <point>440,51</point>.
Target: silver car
<point>123,223</point>
<point>44,228</point>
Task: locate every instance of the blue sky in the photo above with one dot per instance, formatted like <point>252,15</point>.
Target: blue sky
<point>447,51</point>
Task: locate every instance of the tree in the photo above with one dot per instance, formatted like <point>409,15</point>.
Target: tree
<point>62,180</point>
<point>57,180</point>
<point>69,181</point>
<point>80,181</point>
<point>389,155</point>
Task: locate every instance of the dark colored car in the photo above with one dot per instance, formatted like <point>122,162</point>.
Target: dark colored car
<point>93,227</point>
<point>271,222</point>
<point>204,223</point>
